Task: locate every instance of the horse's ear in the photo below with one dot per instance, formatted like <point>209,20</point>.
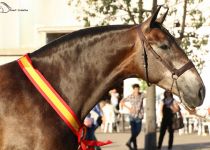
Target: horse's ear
<point>163,17</point>
<point>151,22</point>
<point>154,17</point>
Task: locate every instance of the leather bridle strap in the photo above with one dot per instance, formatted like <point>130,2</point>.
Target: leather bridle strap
<point>145,64</point>
<point>146,46</point>
<point>180,71</point>
<point>176,73</point>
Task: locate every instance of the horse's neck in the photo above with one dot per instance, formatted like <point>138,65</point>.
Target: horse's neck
<point>81,73</point>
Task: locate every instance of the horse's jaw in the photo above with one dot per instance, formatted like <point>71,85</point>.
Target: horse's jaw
<point>188,87</point>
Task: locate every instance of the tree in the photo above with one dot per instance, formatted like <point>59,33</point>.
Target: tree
<point>107,11</point>
<point>192,20</point>
<point>104,12</point>
<point>150,136</point>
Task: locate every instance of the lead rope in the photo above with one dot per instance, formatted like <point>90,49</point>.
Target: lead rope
<point>192,112</point>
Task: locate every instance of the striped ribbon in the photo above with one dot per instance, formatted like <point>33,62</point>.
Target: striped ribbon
<point>58,104</point>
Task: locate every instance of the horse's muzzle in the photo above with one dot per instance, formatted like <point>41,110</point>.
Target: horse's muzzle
<point>201,94</point>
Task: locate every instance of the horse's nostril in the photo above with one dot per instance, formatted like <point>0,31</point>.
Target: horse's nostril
<point>202,93</point>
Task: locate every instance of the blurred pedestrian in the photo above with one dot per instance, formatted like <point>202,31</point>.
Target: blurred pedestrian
<point>115,103</point>
<point>114,98</point>
<point>135,115</point>
<point>167,109</point>
<point>92,121</point>
<point>108,116</point>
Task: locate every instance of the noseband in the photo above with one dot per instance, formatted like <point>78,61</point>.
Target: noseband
<point>176,73</point>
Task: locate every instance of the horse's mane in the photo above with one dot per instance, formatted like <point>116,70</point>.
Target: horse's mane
<point>85,32</point>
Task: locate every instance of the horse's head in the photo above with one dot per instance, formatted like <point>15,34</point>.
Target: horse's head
<point>167,61</point>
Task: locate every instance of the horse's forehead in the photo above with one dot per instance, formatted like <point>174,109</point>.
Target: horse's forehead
<point>157,35</point>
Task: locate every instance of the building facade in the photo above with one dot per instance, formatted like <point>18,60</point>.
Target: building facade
<point>28,25</point>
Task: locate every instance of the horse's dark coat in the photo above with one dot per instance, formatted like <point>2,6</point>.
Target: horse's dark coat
<point>69,64</point>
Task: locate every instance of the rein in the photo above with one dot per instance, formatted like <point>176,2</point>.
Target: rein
<point>175,73</point>
<point>58,104</point>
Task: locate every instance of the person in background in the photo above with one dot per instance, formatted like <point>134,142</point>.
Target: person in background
<point>92,121</point>
<point>89,123</point>
<point>114,98</point>
<point>97,113</point>
<point>135,115</point>
<point>167,107</point>
<point>115,103</point>
<point>108,116</point>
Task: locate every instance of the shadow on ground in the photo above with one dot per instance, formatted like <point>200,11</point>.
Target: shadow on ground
<point>195,146</point>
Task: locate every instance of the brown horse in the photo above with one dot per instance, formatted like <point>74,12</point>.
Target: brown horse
<point>81,66</point>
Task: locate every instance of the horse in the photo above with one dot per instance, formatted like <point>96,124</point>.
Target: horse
<point>81,66</point>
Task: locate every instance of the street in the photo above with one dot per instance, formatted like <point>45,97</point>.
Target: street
<point>181,142</point>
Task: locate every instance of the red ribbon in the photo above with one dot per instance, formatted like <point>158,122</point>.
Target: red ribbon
<point>88,144</point>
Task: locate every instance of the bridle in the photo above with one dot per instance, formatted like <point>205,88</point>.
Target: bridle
<point>175,73</point>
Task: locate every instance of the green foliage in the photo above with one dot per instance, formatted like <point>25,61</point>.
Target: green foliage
<point>108,11</point>
<point>197,18</point>
<point>143,85</point>
<point>191,41</point>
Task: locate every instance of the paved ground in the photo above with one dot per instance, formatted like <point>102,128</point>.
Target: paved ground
<point>181,142</point>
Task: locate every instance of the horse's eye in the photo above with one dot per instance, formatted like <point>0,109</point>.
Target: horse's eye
<point>164,46</point>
